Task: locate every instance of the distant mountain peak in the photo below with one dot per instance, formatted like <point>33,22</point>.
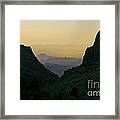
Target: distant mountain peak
<point>58,64</point>
<point>65,57</point>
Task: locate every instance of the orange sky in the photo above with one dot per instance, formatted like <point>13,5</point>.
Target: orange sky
<point>64,38</point>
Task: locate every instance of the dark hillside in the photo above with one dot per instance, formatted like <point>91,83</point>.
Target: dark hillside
<point>74,82</point>
<point>39,83</point>
<point>33,75</point>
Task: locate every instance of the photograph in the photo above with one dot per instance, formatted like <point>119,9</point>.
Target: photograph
<point>58,55</point>
<point>60,60</point>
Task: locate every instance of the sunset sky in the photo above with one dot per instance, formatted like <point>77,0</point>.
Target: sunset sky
<point>65,38</point>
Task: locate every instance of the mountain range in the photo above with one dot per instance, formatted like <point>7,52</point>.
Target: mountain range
<point>58,64</point>
<point>37,82</point>
<point>74,82</point>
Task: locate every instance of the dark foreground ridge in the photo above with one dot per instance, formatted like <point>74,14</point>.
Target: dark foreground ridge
<point>33,75</point>
<point>38,83</point>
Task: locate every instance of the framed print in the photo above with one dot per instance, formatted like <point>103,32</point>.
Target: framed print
<point>60,59</point>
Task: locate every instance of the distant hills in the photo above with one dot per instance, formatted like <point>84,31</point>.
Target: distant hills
<point>58,64</point>
<point>39,83</point>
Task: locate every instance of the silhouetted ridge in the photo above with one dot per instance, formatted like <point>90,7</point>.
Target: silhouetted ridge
<point>92,54</point>
<point>37,82</point>
<point>33,74</point>
<point>74,82</point>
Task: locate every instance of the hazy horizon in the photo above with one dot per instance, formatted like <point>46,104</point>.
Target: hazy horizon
<point>64,38</point>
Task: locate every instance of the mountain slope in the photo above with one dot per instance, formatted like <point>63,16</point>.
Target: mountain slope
<point>56,68</point>
<point>39,83</point>
<point>74,82</point>
<point>33,75</point>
